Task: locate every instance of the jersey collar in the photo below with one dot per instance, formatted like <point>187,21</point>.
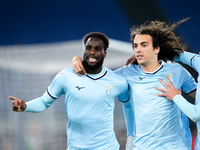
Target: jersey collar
<point>161,62</point>
<point>98,75</point>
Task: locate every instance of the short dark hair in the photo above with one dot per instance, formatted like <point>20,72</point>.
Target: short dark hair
<point>99,35</point>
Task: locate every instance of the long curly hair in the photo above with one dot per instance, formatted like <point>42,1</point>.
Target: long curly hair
<point>163,36</point>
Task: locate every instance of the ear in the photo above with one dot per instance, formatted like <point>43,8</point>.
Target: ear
<point>156,50</point>
<point>105,53</point>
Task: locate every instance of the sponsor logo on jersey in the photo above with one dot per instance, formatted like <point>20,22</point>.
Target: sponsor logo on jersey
<point>141,78</point>
<point>79,88</point>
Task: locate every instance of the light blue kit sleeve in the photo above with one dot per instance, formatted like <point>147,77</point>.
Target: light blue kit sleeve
<point>125,94</point>
<point>128,111</point>
<point>39,104</point>
<point>192,111</point>
<point>186,58</point>
<point>129,118</point>
<point>53,92</point>
<point>196,63</point>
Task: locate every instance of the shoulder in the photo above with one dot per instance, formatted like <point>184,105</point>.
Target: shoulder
<point>126,68</point>
<point>65,72</point>
<point>173,65</point>
<point>115,75</point>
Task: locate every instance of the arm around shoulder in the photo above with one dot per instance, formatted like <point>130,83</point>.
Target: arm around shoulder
<point>190,110</point>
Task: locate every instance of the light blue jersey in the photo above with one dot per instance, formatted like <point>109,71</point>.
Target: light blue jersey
<point>160,124</point>
<point>192,111</point>
<point>89,102</point>
<point>196,66</point>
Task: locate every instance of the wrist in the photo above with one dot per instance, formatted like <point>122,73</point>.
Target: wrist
<point>24,106</point>
<point>177,97</point>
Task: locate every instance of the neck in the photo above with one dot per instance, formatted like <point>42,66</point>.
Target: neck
<point>151,67</point>
<point>93,70</point>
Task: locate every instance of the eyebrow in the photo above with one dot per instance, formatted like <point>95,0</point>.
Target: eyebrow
<point>141,43</point>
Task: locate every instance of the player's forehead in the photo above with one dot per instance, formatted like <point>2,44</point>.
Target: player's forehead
<point>94,41</point>
<point>142,38</point>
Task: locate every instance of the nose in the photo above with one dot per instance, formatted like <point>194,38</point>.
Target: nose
<point>92,51</point>
<point>136,49</point>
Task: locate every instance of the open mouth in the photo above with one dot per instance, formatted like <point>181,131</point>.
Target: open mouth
<point>139,56</point>
<point>92,60</point>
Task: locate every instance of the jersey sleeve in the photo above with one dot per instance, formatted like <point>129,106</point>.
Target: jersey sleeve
<point>196,63</point>
<point>129,118</point>
<point>56,88</point>
<point>190,110</point>
<point>39,104</point>
<point>191,59</point>
<point>125,90</point>
<point>189,83</point>
<point>125,95</point>
<point>186,58</point>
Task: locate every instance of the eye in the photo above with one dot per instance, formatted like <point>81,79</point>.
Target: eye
<point>134,46</point>
<point>98,49</point>
<point>88,47</point>
<point>144,45</point>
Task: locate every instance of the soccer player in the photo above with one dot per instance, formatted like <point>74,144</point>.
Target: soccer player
<point>192,111</point>
<point>89,100</point>
<point>160,124</point>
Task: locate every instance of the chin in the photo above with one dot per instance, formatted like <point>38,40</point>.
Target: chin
<point>92,64</point>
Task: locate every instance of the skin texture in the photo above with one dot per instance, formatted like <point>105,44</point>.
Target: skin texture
<point>170,90</point>
<point>94,55</point>
<point>17,104</point>
<point>146,55</point>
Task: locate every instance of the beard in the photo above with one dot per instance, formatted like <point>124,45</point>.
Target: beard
<point>93,68</point>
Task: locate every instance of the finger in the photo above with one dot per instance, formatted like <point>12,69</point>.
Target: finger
<point>163,83</point>
<point>80,69</point>
<point>160,89</point>
<point>169,82</point>
<point>132,61</point>
<point>15,108</point>
<point>83,70</point>
<point>162,94</point>
<point>77,70</point>
<point>15,105</point>
<point>12,98</point>
<point>80,72</point>
<point>128,62</point>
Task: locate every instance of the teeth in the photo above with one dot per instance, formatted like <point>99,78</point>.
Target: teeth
<point>92,59</point>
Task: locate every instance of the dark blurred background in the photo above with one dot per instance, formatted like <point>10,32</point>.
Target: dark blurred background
<point>44,21</point>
